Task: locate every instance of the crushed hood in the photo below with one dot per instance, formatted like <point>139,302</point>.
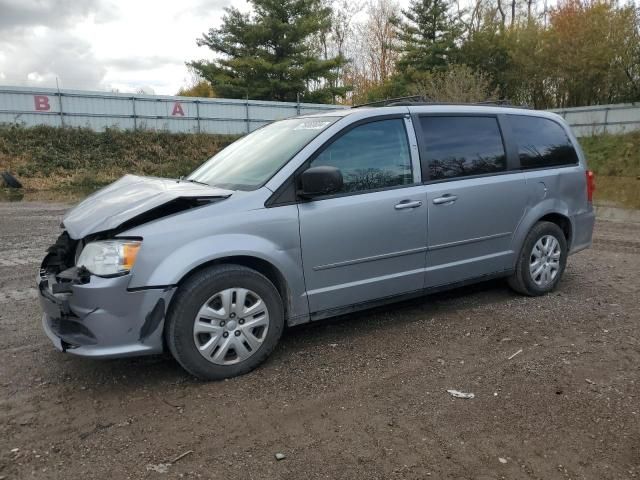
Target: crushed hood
<point>130,197</point>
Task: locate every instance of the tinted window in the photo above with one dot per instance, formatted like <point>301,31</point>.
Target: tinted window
<point>462,146</point>
<point>541,142</point>
<point>373,155</point>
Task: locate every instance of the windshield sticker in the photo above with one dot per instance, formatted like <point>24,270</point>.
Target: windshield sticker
<point>312,125</point>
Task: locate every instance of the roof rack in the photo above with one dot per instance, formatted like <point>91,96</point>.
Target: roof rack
<point>417,100</point>
<point>393,102</point>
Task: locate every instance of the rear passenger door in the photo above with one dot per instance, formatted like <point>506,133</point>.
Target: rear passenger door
<point>475,196</point>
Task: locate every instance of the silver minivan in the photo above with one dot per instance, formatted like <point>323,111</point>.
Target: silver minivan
<point>312,217</point>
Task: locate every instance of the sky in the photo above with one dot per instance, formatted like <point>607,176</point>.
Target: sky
<point>123,45</point>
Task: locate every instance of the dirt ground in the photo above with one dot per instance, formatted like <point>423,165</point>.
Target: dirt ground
<point>360,397</point>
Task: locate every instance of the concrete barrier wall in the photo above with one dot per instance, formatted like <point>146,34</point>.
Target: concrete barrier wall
<point>598,119</point>
<point>100,110</point>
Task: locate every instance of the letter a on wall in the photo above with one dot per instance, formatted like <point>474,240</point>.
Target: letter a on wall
<point>177,110</point>
<point>41,103</point>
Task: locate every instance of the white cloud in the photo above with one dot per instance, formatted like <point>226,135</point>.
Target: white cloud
<point>42,55</point>
<point>104,44</point>
<point>19,14</point>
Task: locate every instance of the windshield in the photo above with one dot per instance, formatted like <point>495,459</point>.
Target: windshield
<point>250,161</point>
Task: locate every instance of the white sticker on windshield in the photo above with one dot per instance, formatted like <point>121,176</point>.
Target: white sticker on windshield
<point>312,125</point>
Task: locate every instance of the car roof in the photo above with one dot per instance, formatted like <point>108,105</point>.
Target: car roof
<point>443,108</point>
<point>475,109</point>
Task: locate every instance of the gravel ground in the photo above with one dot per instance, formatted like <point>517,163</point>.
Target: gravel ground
<point>362,396</point>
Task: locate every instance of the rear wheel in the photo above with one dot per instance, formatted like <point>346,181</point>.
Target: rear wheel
<point>224,322</point>
<point>542,260</point>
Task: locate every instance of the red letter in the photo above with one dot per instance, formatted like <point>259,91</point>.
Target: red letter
<point>42,103</point>
<point>177,110</point>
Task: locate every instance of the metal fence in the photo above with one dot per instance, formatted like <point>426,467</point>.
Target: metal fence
<point>598,119</point>
<point>100,110</point>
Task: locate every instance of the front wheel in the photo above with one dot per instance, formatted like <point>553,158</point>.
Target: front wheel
<point>542,260</point>
<point>224,322</point>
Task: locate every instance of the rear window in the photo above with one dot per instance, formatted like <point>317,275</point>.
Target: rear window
<point>541,142</point>
<point>462,146</point>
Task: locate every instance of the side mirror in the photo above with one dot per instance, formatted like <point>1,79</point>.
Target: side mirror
<point>317,181</point>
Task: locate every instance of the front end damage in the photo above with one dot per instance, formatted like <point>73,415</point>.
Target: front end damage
<point>99,316</point>
<point>96,316</point>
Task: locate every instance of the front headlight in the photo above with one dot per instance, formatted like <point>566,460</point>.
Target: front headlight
<point>109,257</point>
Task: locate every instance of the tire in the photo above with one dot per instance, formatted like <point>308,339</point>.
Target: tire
<point>205,293</point>
<point>10,181</point>
<point>522,280</point>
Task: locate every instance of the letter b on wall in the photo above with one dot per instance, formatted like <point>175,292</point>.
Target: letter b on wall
<point>41,103</point>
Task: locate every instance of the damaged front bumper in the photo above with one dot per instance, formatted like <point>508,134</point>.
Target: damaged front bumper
<point>99,317</point>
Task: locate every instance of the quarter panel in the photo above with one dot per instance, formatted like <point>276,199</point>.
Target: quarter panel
<point>582,231</point>
<point>563,191</point>
<point>533,214</point>
<point>566,184</point>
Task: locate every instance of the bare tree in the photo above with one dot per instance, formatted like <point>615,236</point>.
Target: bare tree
<point>344,12</point>
<point>458,83</point>
<point>371,45</point>
<point>379,34</point>
<point>530,6</point>
<point>503,15</point>
<point>475,16</point>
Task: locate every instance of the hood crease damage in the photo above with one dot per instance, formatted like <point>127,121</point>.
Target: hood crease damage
<point>135,200</point>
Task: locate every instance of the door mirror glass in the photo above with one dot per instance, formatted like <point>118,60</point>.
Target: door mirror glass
<point>317,181</point>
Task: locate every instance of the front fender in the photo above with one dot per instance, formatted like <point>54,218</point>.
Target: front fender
<point>180,262</point>
<point>172,268</point>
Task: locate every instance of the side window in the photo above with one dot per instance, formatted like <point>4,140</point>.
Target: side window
<point>541,142</point>
<point>462,146</point>
<point>373,155</point>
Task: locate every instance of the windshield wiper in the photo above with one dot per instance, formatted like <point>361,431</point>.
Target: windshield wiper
<point>190,180</point>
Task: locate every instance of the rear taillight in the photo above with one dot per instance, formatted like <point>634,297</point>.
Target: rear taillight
<point>591,185</point>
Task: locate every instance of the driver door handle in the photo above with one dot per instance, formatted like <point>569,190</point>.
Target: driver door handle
<point>408,204</point>
<point>445,199</point>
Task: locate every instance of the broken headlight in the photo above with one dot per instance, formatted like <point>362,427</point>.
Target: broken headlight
<point>109,257</point>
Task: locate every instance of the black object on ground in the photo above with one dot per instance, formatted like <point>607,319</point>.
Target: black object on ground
<point>10,181</point>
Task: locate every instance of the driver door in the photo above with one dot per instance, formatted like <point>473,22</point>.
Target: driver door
<point>368,241</point>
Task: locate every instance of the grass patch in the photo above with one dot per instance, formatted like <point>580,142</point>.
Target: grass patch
<point>617,191</point>
<point>616,161</point>
<point>613,155</point>
<point>46,158</point>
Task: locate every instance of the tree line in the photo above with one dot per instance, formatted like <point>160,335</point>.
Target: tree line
<point>578,52</point>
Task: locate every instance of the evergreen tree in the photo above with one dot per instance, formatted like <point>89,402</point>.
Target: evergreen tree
<point>428,32</point>
<point>268,55</point>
